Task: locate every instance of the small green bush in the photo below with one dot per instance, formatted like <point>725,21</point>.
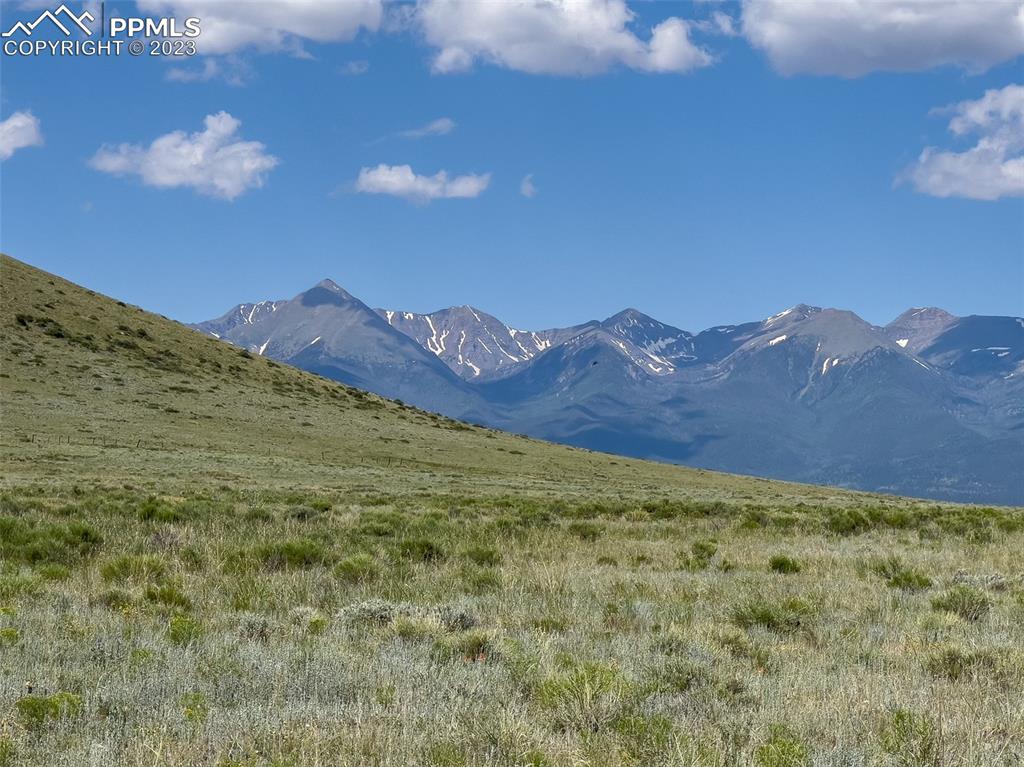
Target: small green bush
<point>700,556</point>
<point>34,711</point>
<point>293,554</point>
<point>153,509</point>
<point>780,563</point>
<point>785,615</point>
<point>420,550</point>
<point>900,576</point>
<point>9,636</point>
<point>679,675</point>
<point>479,580</point>
<point>359,568</point>
<point>194,707</point>
<point>41,543</point>
<point>782,749</point>
<point>588,699</point>
<point>969,603</point>
<point>446,755</point>
<point>8,751</point>
<point>586,531</point>
<point>644,738</point>
<point>168,596</point>
<point>912,739</point>
<point>54,572</point>
<point>475,645</point>
<point>955,663</point>
<point>140,567</point>
<point>184,630</point>
<point>485,556</point>
<point>847,522</point>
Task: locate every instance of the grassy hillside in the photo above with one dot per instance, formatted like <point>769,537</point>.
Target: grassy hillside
<point>209,558</point>
<point>108,391</point>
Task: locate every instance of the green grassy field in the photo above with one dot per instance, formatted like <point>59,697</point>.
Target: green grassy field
<point>212,559</point>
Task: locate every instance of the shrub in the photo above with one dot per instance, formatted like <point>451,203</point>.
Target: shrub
<point>194,707</point>
<point>644,738</point>
<point>420,550</point>
<point>848,522</point>
<point>9,637</point>
<point>480,580</point>
<point>954,663</point>
<point>154,509</point>
<point>899,576</point>
<point>54,572</point>
<point>293,554</point>
<point>34,711</point>
<point>183,630</point>
<point>680,675</point>
<point>780,563</point>
<point>586,531</point>
<point>115,599</point>
<point>445,755</point>
<point>455,618</point>
<point>414,628</point>
<point>358,568</point>
<point>485,556</point>
<point>142,567</point>
<point>782,749</point>
<point>740,645</point>
<point>473,645</point>
<point>912,739</point>
<point>701,554</point>
<point>586,700</point>
<point>373,612</point>
<point>24,541</point>
<point>16,586</point>
<point>790,614</point>
<point>969,603</point>
<point>168,596</point>
<point>7,751</point>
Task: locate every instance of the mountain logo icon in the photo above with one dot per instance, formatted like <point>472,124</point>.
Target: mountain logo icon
<point>70,20</point>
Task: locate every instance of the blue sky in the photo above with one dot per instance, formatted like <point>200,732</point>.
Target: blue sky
<point>717,184</point>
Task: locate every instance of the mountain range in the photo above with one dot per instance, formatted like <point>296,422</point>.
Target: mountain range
<point>930,405</point>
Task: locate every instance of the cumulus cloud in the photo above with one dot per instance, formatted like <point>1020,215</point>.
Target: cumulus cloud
<point>354,68</point>
<point>230,69</point>
<point>401,181</point>
<point>994,166</point>
<point>213,161</point>
<point>18,131</point>
<point>851,38</point>
<point>527,188</point>
<point>284,25</point>
<point>439,127</point>
<point>559,37</point>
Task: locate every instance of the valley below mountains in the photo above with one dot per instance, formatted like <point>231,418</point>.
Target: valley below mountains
<point>930,405</point>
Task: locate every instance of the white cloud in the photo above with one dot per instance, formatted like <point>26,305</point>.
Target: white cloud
<point>439,127</point>
<point>231,25</point>
<point>401,181</point>
<point>354,68</point>
<point>230,69</point>
<point>213,161</point>
<point>994,166</point>
<point>18,131</point>
<point>851,38</point>
<point>527,188</point>
<point>559,37</point>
